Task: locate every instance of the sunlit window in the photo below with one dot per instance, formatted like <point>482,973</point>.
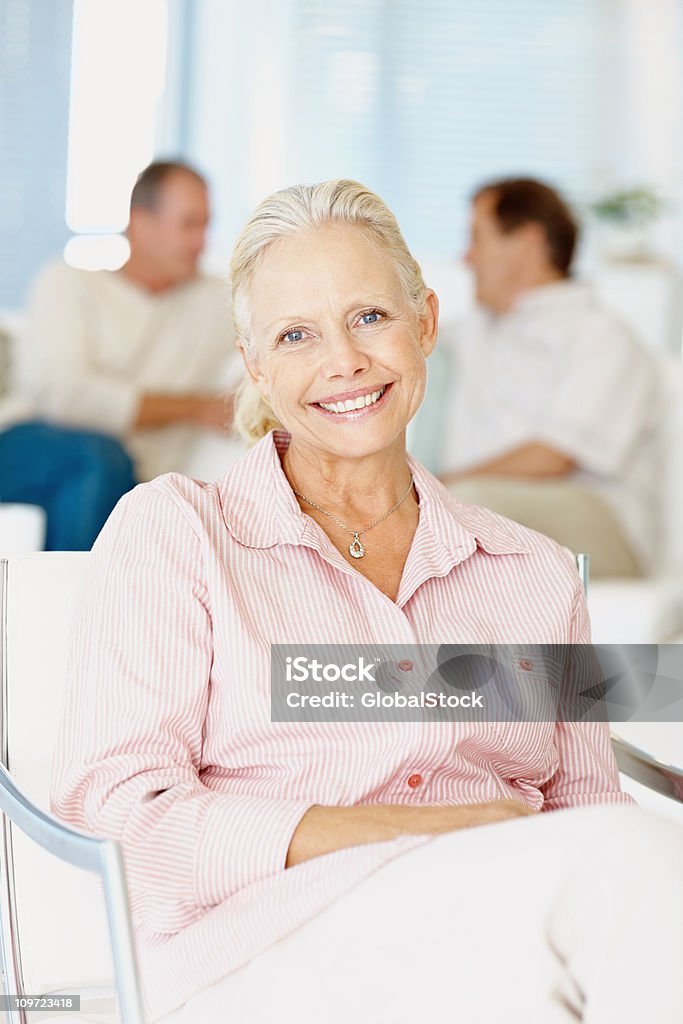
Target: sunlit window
<point>97,252</point>
<point>117,78</point>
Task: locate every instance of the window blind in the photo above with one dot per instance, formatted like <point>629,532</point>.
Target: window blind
<point>35,59</point>
<point>425,101</point>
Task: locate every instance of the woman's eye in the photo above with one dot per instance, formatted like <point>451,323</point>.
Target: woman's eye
<point>373,317</point>
<point>291,337</point>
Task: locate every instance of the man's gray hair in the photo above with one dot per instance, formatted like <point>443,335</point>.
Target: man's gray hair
<point>147,188</point>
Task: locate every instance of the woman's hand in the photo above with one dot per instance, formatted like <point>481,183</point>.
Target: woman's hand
<point>325,829</point>
<point>494,810</point>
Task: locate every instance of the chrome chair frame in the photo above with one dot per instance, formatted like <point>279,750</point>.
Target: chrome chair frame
<point>102,856</point>
<point>646,769</point>
<point>583,567</point>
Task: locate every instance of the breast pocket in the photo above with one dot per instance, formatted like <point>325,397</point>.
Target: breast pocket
<point>525,704</point>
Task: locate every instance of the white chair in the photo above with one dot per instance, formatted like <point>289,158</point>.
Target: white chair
<point>22,529</point>
<point>60,933</point>
<point>53,927</point>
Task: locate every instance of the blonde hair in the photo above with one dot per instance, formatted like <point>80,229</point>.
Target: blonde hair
<point>302,207</point>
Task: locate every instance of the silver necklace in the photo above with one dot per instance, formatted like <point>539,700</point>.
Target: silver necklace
<point>356,549</point>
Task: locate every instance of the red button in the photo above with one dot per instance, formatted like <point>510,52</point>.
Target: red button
<point>405,666</point>
<point>526,664</point>
<point>414,781</point>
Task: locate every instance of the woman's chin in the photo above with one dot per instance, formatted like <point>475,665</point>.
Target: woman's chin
<point>360,442</point>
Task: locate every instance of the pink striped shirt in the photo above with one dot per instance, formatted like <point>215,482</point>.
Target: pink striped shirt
<point>167,743</point>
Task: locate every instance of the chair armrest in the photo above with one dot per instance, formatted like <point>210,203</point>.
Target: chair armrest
<point>648,770</point>
<point>102,856</point>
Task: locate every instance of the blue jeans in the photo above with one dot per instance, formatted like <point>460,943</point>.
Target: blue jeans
<point>76,476</point>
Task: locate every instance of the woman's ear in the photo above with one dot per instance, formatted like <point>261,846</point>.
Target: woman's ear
<point>429,323</point>
<point>253,368</point>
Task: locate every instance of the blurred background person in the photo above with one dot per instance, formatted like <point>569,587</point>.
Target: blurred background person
<point>75,476</point>
<point>552,412</point>
<point>138,353</point>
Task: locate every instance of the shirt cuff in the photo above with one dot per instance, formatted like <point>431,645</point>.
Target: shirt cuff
<point>109,406</point>
<point>588,800</point>
<point>590,453</point>
<point>243,839</point>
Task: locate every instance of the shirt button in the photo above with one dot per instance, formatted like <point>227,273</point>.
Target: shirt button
<point>405,666</point>
<point>414,781</point>
<point>526,664</point>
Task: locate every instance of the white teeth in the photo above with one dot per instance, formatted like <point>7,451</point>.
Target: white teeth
<point>353,403</point>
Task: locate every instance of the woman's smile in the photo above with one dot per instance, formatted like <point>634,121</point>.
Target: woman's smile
<point>363,403</point>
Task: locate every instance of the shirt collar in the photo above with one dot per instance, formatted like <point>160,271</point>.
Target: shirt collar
<point>260,509</point>
<point>551,296</point>
<point>463,528</point>
<point>259,506</point>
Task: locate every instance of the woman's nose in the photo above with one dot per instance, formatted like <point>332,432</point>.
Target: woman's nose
<point>343,356</point>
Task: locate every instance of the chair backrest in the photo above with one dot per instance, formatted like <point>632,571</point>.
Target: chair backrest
<point>60,910</point>
<point>583,567</point>
<point>22,529</point>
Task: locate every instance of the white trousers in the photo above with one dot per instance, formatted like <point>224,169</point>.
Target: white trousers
<point>568,916</point>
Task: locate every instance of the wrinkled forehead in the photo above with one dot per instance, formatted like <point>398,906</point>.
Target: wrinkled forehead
<point>316,268</point>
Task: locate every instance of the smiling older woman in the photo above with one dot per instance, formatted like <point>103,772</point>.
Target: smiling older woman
<point>380,871</point>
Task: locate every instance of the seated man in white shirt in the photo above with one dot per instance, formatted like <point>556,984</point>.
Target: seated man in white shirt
<point>143,354</point>
<point>552,417</point>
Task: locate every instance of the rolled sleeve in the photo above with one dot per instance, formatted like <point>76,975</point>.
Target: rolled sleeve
<point>587,770</point>
<point>243,838</point>
<point>606,398</point>
<point>129,749</point>
<point>93,401</point>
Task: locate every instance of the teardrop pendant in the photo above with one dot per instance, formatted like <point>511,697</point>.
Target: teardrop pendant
<point>356,550</point>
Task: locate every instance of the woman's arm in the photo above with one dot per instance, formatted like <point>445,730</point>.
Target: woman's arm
<point>325,829</point>
<point>129,750</point>
<point>587,771</point>
<point>534,460</point>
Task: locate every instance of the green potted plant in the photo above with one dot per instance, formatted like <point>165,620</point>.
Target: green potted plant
<point>625,219</point>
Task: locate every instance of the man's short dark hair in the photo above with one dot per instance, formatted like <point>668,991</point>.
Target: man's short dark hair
<point>147,188</point>
<point>519,201</point>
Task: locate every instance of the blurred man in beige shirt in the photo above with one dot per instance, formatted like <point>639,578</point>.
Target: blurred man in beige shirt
<point>120,372</point>
<point>145,353</point>
<point>552,416</point>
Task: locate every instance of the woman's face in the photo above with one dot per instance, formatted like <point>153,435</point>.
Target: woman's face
<point>337,350</point>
